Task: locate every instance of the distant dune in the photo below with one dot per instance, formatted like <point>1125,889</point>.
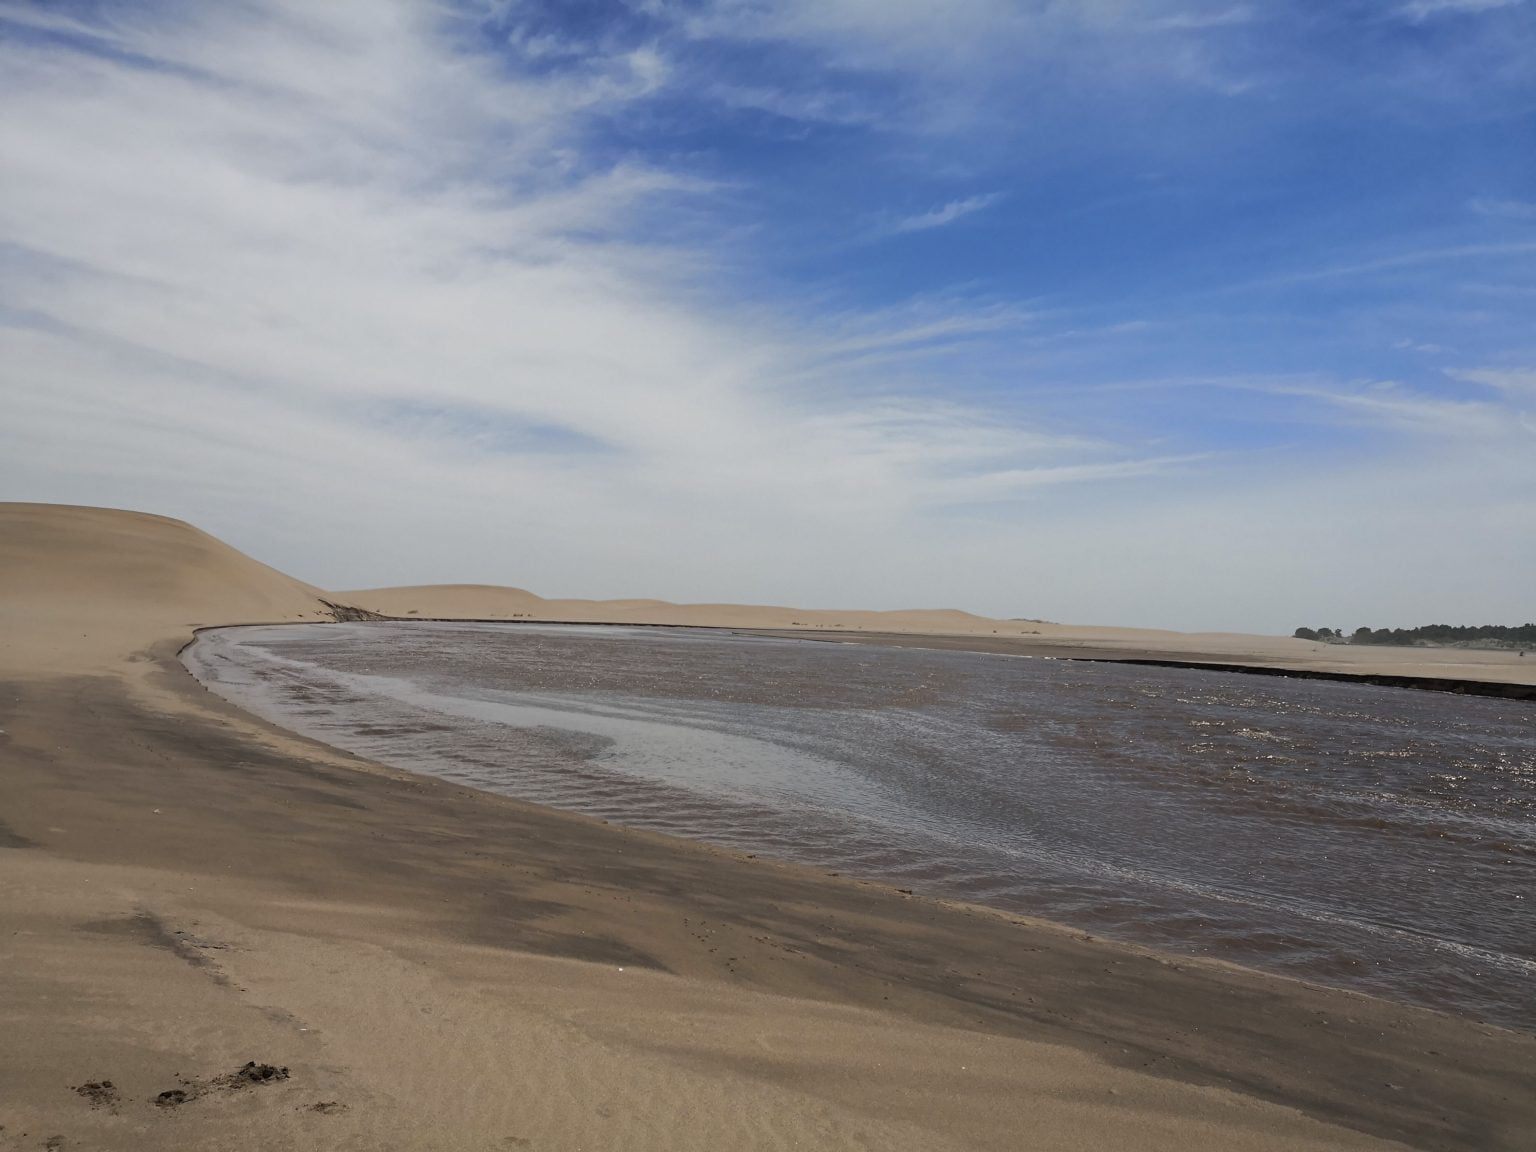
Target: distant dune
<point>488,602</point>
<point>491,602</point>
<point>448,601</point>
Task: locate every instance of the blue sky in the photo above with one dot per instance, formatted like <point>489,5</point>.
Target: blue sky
<point>1192,314</point>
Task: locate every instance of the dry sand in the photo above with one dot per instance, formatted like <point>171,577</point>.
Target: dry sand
<point>184,890</point>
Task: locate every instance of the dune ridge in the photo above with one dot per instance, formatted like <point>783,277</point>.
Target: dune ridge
<point>83,586</point>
<point>492,602</point>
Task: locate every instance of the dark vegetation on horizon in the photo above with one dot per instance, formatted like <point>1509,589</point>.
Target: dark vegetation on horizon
<point>1439,635</point>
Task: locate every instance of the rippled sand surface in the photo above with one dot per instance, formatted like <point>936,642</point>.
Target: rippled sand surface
<point>1367,837</point>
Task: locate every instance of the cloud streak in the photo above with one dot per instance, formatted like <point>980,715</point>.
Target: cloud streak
<point>1421,10</point>
<point>280,246</point>
<point>947,214</point>
<point>1505,209</point>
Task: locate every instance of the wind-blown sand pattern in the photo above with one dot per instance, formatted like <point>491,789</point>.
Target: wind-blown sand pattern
<point>188,890</point>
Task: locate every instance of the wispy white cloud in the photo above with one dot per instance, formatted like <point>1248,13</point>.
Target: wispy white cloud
<point>1478,421</point>
<point>288,250</point>
<point>920,321</point>
<point>946,60</point>
<point>1410,259</point>
<point>946,213</point>
<point>1420,10</point>
<point>1505,209</point>
<point>1010,484</point>
<point>1423,348</point>
<point>44,20</point>
<point>1517,383</point>
<point>1216,18</point>
<point>1484,424</point>
<point>800,105</point>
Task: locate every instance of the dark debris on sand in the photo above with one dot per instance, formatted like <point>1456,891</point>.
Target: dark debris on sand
<point>248,1075</point>
<point>101,1093</point>
<point>252,1073</point>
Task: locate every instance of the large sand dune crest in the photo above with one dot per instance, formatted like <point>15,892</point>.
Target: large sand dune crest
<point>81,586</point>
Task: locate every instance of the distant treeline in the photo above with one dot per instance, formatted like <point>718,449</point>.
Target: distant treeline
<point>1496,635</point>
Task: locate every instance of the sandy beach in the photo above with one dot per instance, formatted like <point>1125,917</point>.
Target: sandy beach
<point>216,934</point>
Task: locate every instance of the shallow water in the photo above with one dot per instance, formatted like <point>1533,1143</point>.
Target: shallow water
<point>1373,838</point>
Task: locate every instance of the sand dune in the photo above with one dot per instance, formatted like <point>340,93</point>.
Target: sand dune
<point>489,602</point>
<point>80,586</point>
<point>449,601</point>
<point>187,889</point>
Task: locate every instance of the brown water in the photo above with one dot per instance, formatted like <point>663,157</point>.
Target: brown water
<point>1374,838</point>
